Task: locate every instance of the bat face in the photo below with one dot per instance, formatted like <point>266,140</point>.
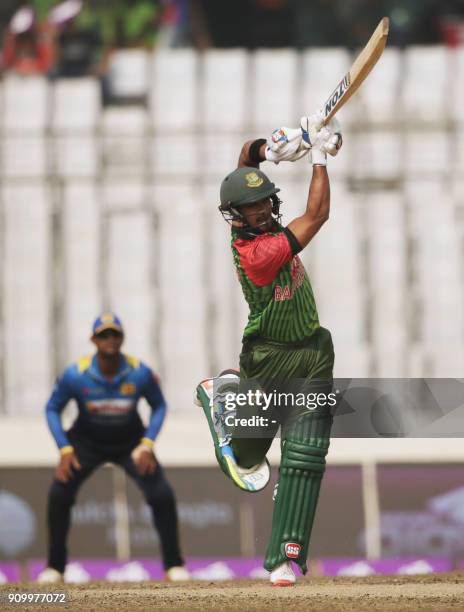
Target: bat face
<point>361,67</point>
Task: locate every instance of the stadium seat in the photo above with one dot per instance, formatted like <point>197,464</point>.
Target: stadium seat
<point>379,93</point>
<point>125,141</point>
<point>224,93</point>
<point>177,156</point>
<point>423,149</point>
<point>76,105</point>
<point>386,230</point>
<point>421,101</point>
<point>387,270</point>
<point>26,104</point>
<point>183,292</point>
<point>124,120</point>
<point>274,81</point>
<point>131,289</point>
<point>437,263</point>
<point>352,361</point>
<point>173,103</point>
<point>457,85</point>
<point>390,363</point>
<point>128,73</point>
<point>76,156</point>
<point>375,155</point>
<point>457,158</point>
<point>448,361</point>
<point>419,364</point>
<point>219,155</point>
<point>27,297</point>
<point>82,249</point>
<point>224,291</point>
<point>24,156</point>
<point>119,193</point>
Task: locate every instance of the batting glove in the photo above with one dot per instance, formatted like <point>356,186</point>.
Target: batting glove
<point>286,144</point>
<point>322,140</point>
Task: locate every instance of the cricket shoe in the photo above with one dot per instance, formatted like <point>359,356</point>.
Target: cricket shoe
<point>283,575</point>
<point>212,395</point>
<point>179,573</point>
<point>50,576</point>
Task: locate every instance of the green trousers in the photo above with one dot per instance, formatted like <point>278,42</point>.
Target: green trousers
<point>289,367</point>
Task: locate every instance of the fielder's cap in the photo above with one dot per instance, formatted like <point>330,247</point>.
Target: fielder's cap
<point>65,11</point>
<point>107,320</point>
<point>22,20</point>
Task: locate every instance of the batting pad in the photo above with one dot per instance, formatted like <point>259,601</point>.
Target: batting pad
<point>301,470</point>
<point>210,396</point>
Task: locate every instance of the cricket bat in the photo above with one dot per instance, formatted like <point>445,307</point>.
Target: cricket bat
<point>361,67</point>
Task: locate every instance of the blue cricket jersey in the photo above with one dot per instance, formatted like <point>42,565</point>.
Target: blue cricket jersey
<point>107,406</point>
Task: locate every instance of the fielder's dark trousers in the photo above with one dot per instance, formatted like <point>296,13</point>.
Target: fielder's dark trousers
<point>155,488</point>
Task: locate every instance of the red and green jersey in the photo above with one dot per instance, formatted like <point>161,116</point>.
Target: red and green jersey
<point>276,287</point>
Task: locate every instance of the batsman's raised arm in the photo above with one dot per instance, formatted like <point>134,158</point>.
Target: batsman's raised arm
<point>304,228</point>
<point>288,144</point>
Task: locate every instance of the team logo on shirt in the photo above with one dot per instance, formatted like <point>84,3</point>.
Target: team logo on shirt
<point>253,180</point>
<point>127,389</point>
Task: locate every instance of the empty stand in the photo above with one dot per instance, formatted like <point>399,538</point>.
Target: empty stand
<point>76,156</point>
<point>82,250</point>
<point>183,330</point>
<point>117,207</point>
<point>224,93</point>
<point>273,86</point>
<point>378,95</point>
<point>125,141</point>
<point>173,90</point>
<point>130,282</point>
<point>76,105</point>
<point>425,91</point>
<point>26,104</point>
<point>375,155</point>
<point>27,295</point>
<point>457,85</point>
<point>129,73</point>
<point>24,157</point>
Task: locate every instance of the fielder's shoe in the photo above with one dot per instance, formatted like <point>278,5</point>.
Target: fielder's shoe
<point>211,395</point>
<point>283,575</point>
<point>178,573</point>
<point>50,576</point>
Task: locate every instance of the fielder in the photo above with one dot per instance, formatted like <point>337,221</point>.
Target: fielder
<point>108,428</point>
<point>283,342</point>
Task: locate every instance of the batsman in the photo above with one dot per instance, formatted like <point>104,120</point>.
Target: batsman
<point>283,341</point>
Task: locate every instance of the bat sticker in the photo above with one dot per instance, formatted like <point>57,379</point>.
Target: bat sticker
<point>339,92</point>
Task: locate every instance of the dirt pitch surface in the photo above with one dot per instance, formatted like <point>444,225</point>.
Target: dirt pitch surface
<point>441,592</point>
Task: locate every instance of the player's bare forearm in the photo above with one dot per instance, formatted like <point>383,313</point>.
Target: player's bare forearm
<point>244,158</point>
<point>304,228</point>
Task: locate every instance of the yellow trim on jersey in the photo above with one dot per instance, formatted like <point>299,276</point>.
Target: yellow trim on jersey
<point>132,361</point>
<point>66,450</point>
<point>83,363</point>
<point>147,442</point>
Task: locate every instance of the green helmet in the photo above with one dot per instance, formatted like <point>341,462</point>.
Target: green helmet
<point>245,186</point>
